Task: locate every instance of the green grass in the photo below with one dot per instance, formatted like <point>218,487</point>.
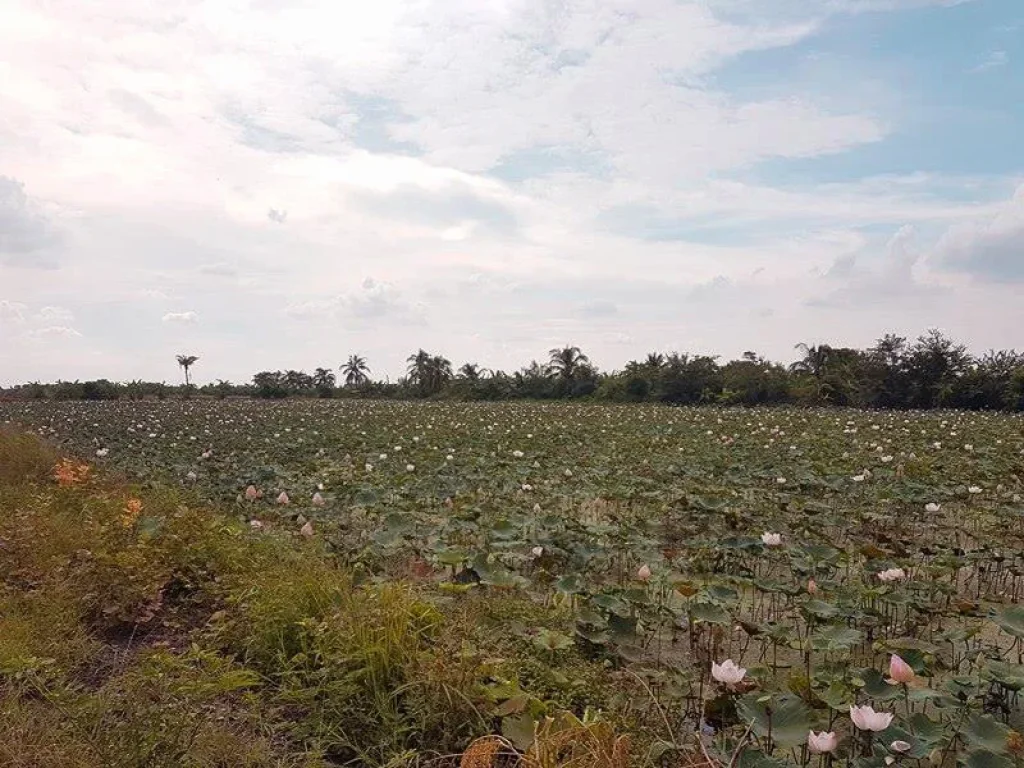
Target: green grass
<point>180,637</point>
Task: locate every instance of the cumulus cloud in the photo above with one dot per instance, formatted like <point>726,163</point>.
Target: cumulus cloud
<point>186,318</point>
<point>54,332</point>
<point>24,229</point>
<point>989,249</point>
<point>372,301</point>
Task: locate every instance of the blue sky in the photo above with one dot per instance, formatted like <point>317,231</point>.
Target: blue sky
<point>279,184</point>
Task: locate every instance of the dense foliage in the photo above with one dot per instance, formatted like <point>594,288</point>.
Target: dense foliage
<point>931,372</point>
<point>771,587</point>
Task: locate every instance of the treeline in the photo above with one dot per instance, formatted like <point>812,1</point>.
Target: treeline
<point>932,371</point>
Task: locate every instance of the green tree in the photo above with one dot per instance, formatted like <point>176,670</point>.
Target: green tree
<point>186,362</point>
<point>355,370</point>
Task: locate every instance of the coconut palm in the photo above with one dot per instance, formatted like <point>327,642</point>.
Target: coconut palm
<point>323,378</point>
<point>355,371</point>
<point>428,372</point>
<point>566,362</point>
<point>186,362</point>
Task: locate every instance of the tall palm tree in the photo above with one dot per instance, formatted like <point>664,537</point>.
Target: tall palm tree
<point>428,372</point>
<point>355,371</point>
<point>186,362</point>
<point>323,378</point>
<point>566,362</point>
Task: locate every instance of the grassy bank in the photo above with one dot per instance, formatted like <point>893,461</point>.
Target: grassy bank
<point>143,629</point>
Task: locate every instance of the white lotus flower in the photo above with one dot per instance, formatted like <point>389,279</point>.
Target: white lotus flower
<point>932,507</point>
<point>517,454</point>
<point>410,467</point>
<point>892,574</point>
<point>866,719</point>
<point>728,672</point>
<point>900,746</point>
<point>974,490</point>
<point>771,539</point>
<point>822,743</point>
<point>537,551</point>
<point>101,452</point>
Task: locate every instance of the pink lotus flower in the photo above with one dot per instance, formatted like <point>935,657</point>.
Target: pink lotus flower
<point>866,719</point>
<point>318,500</point>
<point>307,530</point>
<point>644,572</point>
<point>812,587</point>
<point>251,494</point>
<point>899,670</point>
<point>771,539</point>
<point>728,672</point>
<point>822,743</point>
<point>283,498</point>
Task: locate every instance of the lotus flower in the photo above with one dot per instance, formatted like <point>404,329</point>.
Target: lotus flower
<point>517,454</point>
<point>537,551</point>
<point>974,490</point>
<point>812,587</point>
<point>892,574</point>
<point>255,525</point>
<point>931,507</point>
<point>282,498</point>
<point>307,530</point>
<point>368,467</point>
<point>822,743</point>
<point>728,672</point>
<point>410,467</point>
<point>899,670</point>
<point>900,746</point>
<point>318,500</point>
<point>771,539</point>
<point>644,572</point>
<point>251,494</point>
<point>866,719</point>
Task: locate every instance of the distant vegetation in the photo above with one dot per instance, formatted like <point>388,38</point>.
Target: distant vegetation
<point>931,372</point>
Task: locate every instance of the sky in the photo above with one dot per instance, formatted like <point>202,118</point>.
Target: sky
<point>274,184</point>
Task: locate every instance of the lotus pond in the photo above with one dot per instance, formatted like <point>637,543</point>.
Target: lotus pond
<point>772,587</point>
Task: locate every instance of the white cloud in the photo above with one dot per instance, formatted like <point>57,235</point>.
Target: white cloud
<point>180,317</point>
<point>55,331</point>
<point>989,248</point>
<point>295,147</point>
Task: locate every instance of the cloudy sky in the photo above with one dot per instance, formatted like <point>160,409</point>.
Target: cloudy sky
<point>279,183</point>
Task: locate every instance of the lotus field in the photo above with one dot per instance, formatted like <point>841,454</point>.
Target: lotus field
<point>685,586</point>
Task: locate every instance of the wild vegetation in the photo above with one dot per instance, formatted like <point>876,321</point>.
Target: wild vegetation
<point>321,582</point>
<point>931,372</point>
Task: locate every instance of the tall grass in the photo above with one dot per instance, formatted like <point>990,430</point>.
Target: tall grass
<point>138,630</point>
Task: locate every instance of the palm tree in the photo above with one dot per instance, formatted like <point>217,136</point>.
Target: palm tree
<point>323,378</point>
<point>355,371</point>
<point>470,372</point>
<point>566,362</point>
<point>428,372</point>
<point>186,362</point>
<point>655,361</point>
<point>814,360</point>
